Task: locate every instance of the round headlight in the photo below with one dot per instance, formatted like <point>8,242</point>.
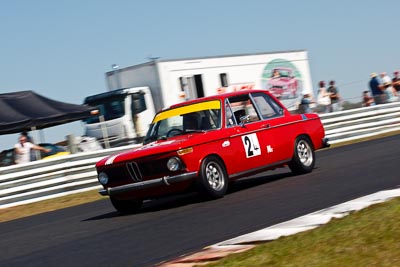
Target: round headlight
<point>174,164</point>
<point>103,178</point>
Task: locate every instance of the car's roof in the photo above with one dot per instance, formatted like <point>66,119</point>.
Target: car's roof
<point>217,97</point>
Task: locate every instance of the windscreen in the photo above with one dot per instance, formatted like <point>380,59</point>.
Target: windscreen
<point>195,118</point>
<point>110,108</point>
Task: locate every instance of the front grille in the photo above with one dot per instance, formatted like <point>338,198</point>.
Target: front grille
<point>134,172</point>
<point>154,168</point>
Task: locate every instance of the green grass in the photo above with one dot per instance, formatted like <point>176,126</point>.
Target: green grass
<point>370,237</point>
<point>48,205</point>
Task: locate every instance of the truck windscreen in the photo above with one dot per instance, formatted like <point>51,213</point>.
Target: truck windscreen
<point>110,108</point>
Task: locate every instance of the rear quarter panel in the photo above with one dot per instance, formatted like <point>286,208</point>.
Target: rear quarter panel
<point>286,129</point>
<point>311,126</point>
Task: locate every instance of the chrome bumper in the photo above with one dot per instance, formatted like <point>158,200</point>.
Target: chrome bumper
<point>164,181</point>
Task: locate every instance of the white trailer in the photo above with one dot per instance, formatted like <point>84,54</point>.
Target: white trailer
<point>172,81</point>
<point>286,74</point>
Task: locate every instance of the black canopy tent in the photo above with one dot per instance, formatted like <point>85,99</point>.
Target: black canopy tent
<point>26,110</point>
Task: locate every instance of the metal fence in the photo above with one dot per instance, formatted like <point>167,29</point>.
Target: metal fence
<point>362,122</point>
<point>46,179</point>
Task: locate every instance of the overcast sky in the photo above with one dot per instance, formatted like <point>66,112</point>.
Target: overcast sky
<point>61,49</point>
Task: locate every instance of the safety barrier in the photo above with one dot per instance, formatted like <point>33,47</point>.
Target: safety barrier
<point>46,179</point>
<point>362,122</point>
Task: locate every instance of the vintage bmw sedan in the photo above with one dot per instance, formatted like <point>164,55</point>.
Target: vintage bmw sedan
<point>206,143</point>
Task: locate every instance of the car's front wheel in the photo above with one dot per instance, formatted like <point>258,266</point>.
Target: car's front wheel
<point>303,160</point>
<point>126,206</point>
<point>213,179</point>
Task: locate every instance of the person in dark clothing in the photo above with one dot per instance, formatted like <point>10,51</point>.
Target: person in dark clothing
<point>334,95</point>
<point>305,104</point>
<point>377,89</point>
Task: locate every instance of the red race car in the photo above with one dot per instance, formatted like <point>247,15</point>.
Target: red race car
<point>208,142</point>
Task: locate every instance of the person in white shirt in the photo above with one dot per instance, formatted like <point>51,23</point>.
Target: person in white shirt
<point>23,150</point>
<point>391,93</point>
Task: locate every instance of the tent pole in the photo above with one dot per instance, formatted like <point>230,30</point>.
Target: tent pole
<point>35,137</point>
<point>41,134</point>
<point>104,132</point>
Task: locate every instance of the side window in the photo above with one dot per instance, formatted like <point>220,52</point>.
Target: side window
<point>138,103</point>
<point>229,119</point>
<point>242,106</point>
<point>267,106</point>
<point>251,111</point>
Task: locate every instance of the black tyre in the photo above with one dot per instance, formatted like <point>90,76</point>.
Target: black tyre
<point>126,206</point>
<point>303,160</point>
<point>213,180</point>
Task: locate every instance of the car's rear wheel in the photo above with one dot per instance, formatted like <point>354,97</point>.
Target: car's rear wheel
<point>213,180</point>
<point>303,160</point>
<point>126,206</point>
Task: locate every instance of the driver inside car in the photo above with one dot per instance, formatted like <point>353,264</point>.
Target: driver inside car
<point>190,122</point>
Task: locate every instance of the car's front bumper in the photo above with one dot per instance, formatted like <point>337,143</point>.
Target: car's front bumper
<point>164,181</point>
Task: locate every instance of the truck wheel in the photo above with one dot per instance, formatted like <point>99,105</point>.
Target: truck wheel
<point>126,206</point>
<point>213,180</point>
<point>303,160</point>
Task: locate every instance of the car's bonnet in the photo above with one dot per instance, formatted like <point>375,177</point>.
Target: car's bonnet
<point>151,149</point>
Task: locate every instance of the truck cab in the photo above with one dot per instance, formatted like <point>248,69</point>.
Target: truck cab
<point>124,116</point>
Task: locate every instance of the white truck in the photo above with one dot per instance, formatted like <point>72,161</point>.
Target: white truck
<point>123,115</point>
<point>166,82</point>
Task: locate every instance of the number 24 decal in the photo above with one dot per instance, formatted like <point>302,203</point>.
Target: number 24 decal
<point>251,145</point>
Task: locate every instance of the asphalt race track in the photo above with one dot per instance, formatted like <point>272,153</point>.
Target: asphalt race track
<point>95,235</point>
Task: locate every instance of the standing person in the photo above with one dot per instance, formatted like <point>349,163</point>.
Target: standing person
<point>28,137</point>
<point>385,78</point>
<point>390,92</point>
<point>377,89</point>
<point>396,81</point>
<point>334,95</point>
<point>30,140</point>
<point>323,98</point>
<point>23,150</point>
<point>305,104</point>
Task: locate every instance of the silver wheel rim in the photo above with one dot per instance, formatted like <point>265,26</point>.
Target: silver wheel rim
<point>215,176</point>
<point>305,153</point>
